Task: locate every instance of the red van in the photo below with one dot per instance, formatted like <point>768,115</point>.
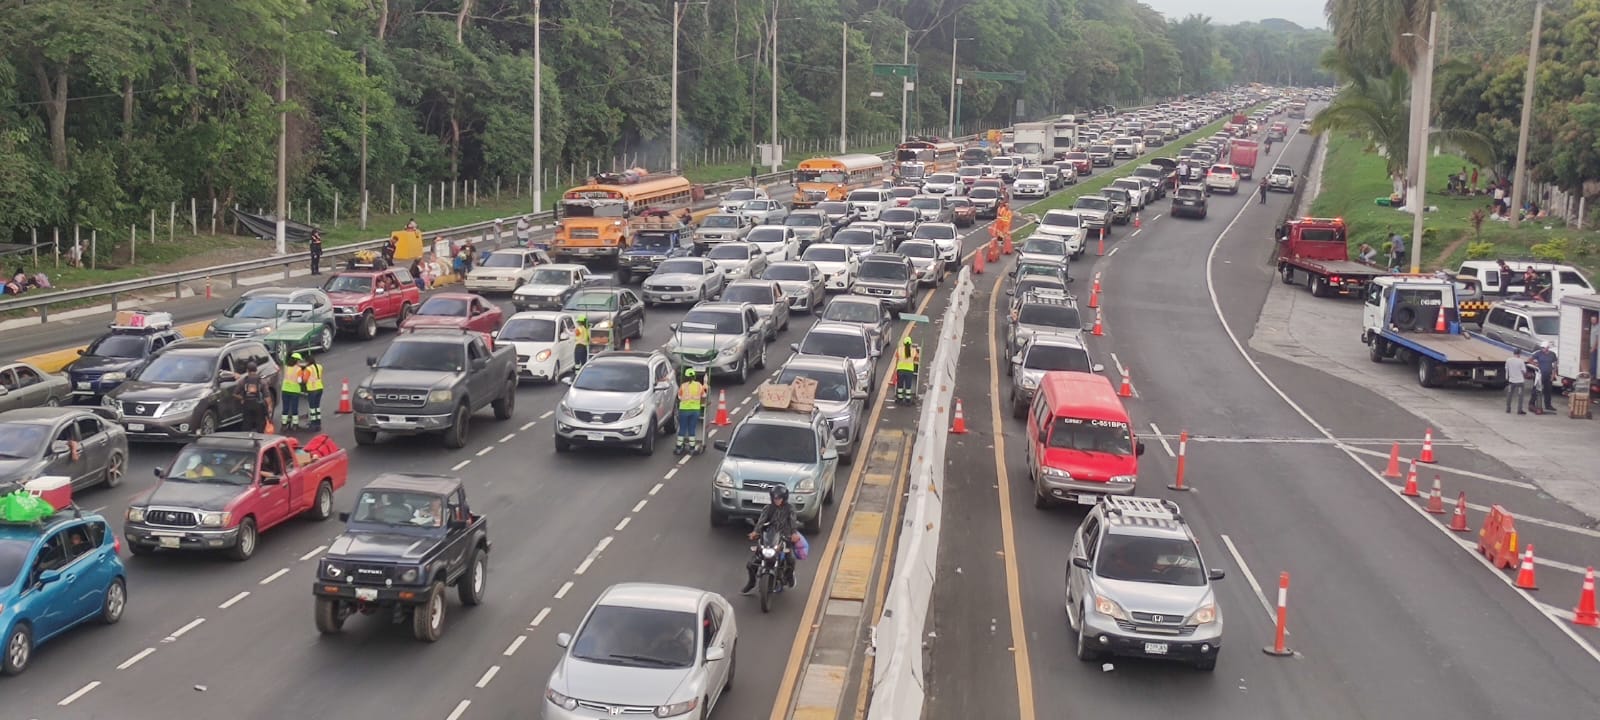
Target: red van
<point>1081,444</point>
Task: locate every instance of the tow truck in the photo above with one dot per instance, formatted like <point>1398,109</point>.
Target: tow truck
<point>1319,248</point>
<point>1413,318</point>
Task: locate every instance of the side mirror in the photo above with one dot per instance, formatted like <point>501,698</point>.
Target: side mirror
<point>859,395</point>
<point>48,576</point>
<point>372,361</point>
<point>720,445</point>
<point>226,376</point>
<point>269,480</point>
<point>713,654</point>
<point>563,640</point>
<point>1216,574</point>
<point>60,447</point>
<point>494,334</point>
<point>830,454</point>
<point>1138,448</point>
<point>479,363</point>
<point>1099,368</point>
<point>83,351</point>
<point>382,291</point>
<point>663,386</point>
<point>344,517</point>
<point>673,327</point>
<point>158,472</point>
<point>1081,563</point>
<point>1017,359</point>
<point>794,346</point>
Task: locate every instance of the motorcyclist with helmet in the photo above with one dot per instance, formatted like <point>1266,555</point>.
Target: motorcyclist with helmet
<point>778,515</point>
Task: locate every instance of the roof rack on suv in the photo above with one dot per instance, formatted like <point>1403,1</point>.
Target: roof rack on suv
<point>1049,296</point>
<point>1128,507</point>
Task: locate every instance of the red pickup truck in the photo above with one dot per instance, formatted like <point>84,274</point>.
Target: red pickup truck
<point>1244,155</point>
<point>363,298</point>
<point>224,489</point>
<point>1318,249</point>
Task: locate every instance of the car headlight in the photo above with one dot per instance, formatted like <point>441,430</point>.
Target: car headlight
<point>109,401</point>
<point>841,430</point>
<point>114,377</point>
<point>1206,615</point>
<point>727,352</point>
<point>1029,382</point>
<point>181,407</point>
<point>1057,473</point>
<point>215,519</point>
<point>542,355</point>
<point>1123,479</point>
<point>805,485</point>
<point>409,576</point>
<point>441,396</point>
<point>363,393</point>
<point>1108,607</point>
<point>333,571</point>
<point>136,514</point>
<point>723,480</point>
<point>603,325</point>
<point>633,413</point>
<point>263,330</point>
<point>563,701</point>
<point>563,408</point>
<point>676,709</point>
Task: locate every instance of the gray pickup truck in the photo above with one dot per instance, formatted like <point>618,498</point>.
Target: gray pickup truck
<point>432,382</point>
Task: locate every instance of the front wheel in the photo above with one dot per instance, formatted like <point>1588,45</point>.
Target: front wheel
<point>113,602</point>
<point>19,650</point>
<point>330,616</point>
<point>743,375</point>
<point>1086,652</point>
<point>368,328</point>
<point>455,438</point>
<point>245,547</point>
<point>427,619</point>
<point>366,437</point>
<point>764,589</point>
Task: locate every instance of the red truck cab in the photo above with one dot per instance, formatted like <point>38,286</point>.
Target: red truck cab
<point>224,489</point>
<point>463,311</point>
<point>1080,442</point>
<point>1244,155</point>
<point>1319,249</point>
<point>363,298</point>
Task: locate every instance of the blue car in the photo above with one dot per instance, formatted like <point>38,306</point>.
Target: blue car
<point>56,575</point>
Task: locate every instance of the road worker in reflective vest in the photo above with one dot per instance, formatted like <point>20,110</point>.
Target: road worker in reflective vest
<point>906,360</point>
<point>311,379</point>
<point>691,407</point>
<point>580,353</point>
<point>293,388</point>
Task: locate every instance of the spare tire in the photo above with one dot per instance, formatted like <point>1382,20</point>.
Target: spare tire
<point>1404,317</point>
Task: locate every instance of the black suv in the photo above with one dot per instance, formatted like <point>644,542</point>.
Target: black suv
<point>112,357</point>
<point>1188,200</point>
<point>409,537</point>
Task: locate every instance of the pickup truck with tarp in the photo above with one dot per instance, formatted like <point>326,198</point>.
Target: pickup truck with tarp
<point>1413,319</point>
<point>1319,249</point>
<point>655,238</point>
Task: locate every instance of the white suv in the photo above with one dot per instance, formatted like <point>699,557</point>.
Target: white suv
<point>1030,183</point>
<point>1066,226</point>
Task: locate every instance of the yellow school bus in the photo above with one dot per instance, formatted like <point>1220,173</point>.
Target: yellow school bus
<point>832,178</point>
<point>594,218</point>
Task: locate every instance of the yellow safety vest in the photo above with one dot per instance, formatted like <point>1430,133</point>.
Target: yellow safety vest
<point>312,377</point>
<point>583,335</point>
<point>690,395</point>
<point>907,359</point>
<point>291,381</point>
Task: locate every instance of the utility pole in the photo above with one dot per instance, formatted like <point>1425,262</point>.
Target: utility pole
<point>776,161</point>
<point>677,20</point>
<point>844,84</point>
<point>538,110</point>
<point>282,210</point>
<point>1519,176</point>
<point>1425,78</point>
<point>905,59</point>
<point>955,45</point>
<point>363,134</point>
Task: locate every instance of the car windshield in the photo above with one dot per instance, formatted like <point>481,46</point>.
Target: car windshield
<point>833,208</point>
<point>599,300</point>
<point>727,322</point>
<point>941,178</point>
<point>898,215</point>
<point>630,377</point>
<point>1057,218</point>
<point>1097,436</point>
<point>753,294</point>
<point>21,440</point>
<point>740,195</point>
<point>1077,156</point>
<point>766,235</point>
<point>1115,194</point>
<point>398,508</point>
<point>13,556</point>
<point>852,312</point>
<point>971,171</point>
<point>720,221</point>
<point>213,465</point>
<point>1000,163</point>
<point>503,260</point>
<point>729,252</point>
<point>118,346</point>
<point>809,220</point>
<point>1099,148</point>
<point>179,368</point>
<point>1547,325</point>
<point>834,344</point>
<point>774,443</point>
<point>935,232</point>
<point>825,254</point>
<point>832,386</point>
<point>254,308</point>
<point>754,206</point>
<point>1091,203</point>
<point>637,637</point>
<point>919,250</point>
<point>984,193</point>
<point>1050,315</point>
<point>1055,357</point>
<point>348,284</point>
<point>1144,559</point>
<point>528,330</point>
<point>855,237</point>
<point>1043,246</point>
<point>653,241</point>
<point>552,277</point>
<point>927,203</point>
<point>685,267</point>
<point>1031,174</point>
<point>445,307</point>
<point>424,356</point>
<point>787,272</point>
<point>884,270</point>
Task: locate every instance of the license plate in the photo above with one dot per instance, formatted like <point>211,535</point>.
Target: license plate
<point>370,594</point>
<point>758,499</point>
<point>596,437</point>
<point>135,427</point>
<point>168,542</point>
<point>1155,648</point>
<point>1087,499</point>
<point>83,386</point>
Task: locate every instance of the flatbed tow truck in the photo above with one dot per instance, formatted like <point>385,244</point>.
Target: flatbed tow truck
<point>1318,249</point>
<point>1413,318</point>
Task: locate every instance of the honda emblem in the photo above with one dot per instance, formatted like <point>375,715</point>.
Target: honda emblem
<point>1157,618</point>
<point>616,710</point>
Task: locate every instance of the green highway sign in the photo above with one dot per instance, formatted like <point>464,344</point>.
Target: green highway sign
<point>998,76</point>
<point>908,317</point>
<point>888,70</point>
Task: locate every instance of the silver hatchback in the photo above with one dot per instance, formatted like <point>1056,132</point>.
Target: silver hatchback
<point>840,398</point>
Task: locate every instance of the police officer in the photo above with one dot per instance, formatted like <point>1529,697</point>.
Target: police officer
<point>311,379</point>
<point>293,387</point>
<point>254,398</point>
<point>691,405</point>
<point>906,360</point>
<point>316,252</point>
<point>580,354</point>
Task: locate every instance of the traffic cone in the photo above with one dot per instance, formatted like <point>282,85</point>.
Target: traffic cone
<point>722,409</point>
<point>270,429</point>
<point>1094,298</point>
<point>1438,325</point>
<point>1101,250</point>
<point>994,250</point>
<point>1393,471</point>
<point>1436,498</point>
<point>1007,249</point>
<point>1099,328</point>
<point>977,263</point>
<point>1136,224</point>
<point>208,288</point>
<point>1426,457</point>
<point>627,343</point>
<point>1458,522</point>
<point>958,426</point>
<point>1097,281</point>
<point>1525,579</point>
<point>1411,482</point>
<point>1127,387</point>
<point>1585,614</point>
<point>344,397</point>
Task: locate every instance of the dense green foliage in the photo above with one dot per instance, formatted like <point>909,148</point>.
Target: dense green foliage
<point>109,108</point>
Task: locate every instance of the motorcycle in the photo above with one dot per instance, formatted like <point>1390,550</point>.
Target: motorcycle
<point>773,566</point>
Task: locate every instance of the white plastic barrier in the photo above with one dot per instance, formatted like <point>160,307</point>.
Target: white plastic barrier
<point>897,682</point>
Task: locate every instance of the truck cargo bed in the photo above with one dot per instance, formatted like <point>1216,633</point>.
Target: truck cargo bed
<point>1465,348</point>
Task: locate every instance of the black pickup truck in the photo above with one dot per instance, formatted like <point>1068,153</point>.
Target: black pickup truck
<point>410,537</point>
<point>431,382</point>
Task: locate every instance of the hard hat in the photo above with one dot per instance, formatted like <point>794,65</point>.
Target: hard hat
<point>297,357</point>
<point>906,341</point>
<point>583,319</point>
<point>689,372</point>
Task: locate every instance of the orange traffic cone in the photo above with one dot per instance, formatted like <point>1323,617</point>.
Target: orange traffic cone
<point>1094,298</point>
<point>1096,281</point>
<point>1427,448</point>
<point>344,397</point>
<point>1007,249</point>
<point>1136,224</point>
<point>1411,482</point>
<point>1458,522</point>
<point>1101,250</point>
<point>958,426</point>
<point>1436,498</point>
<point>1525,579</point>
<point>1393,471</point>
<point>1438,324</point>
<point>994,250</point>
<point>1099,328</point>
<point>270,429</point>
<point>1127,387</point>
<point>1585,614</point>
<point>627,343</point>
<point>722,409</point>
<point>977,263</point>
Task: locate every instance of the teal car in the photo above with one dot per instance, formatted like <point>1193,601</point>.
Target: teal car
<point>55,575</point>
<point>771,448</point>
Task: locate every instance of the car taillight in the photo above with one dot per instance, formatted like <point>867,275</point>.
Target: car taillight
<point>116,545</point>
<point>1333,278</point>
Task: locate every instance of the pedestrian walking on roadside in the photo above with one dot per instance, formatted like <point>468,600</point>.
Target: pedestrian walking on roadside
<point>254,399</point>
<point>311,380</point>
<point>1516,376</point>
<point>524,232</point>
<point>1545,358</point>
<point>316,252</point>
<point>1261,190</point>
<point>292,389</point>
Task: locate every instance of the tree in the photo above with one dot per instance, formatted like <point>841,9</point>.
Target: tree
<point>1378,111</point>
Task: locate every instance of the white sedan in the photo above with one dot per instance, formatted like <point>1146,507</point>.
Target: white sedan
<point>778,241</point>
<point>505,270</point>
<point>738,260</point>
<point>838,264</point>
<point>685,280</point>
<point>544,341</point>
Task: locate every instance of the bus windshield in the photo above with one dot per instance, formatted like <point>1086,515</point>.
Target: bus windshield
<point>594,208</point>
<point>822,176</point>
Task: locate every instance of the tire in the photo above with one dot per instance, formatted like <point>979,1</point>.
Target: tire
<point>456,437</point>
<point>1039,500</point>
<point>472,586</point>
<point>1427,372</point>
<point>368,327</point>
<point>427,618</point>
<point>141,550</point>
<point>115,468</point>
<point>330,616</point>
<point>563,445</point>
<point>208,424</point>
<point>52,402</point>
<point>18,651</point>
<point>406,311</point>
<point>245,547</point>
<point>1019,409</point>
<point>1315,285</point>
<point>647,447</point>
<point>743,376</point>
<point>761,360</point>
<point>764,590</point>
<point>1085,651</point>
<point>113,602</point>
<point>1287,273</point>
<point>366,437</point>
<point>813,526</point>
<point>506,405</point>
<point>1375,350</point>
<point>325,339</point>
<point>1207,665</point>
<point>322,509</point>
<point>827,495</point>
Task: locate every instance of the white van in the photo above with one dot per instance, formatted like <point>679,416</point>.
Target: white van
<point>868,202</point>
<point>1568,280</point>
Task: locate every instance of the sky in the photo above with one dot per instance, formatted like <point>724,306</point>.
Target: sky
<point>1306,13</point>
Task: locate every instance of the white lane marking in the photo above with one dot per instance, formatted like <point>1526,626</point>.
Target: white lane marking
<point>1562,613</point>
<point>1216,306</point>
<point>234,600</point>
<point>142,654</point>
<point>546,414</point>
<point>745,401</point>
<point>1135,233</point>
<point>669,474</point>
<point>529,424</point>
<point>1164,444</point>
<point>1576,529</point>
<point>1552,564</point>
<point>1113,251</point>
<point>488,675</point>
<point>68,700</point>
<point>566,586</point>
<point>461,708</point>
<point>314,552</point>
<point>515,643</point>
<point>593,555</point>
<point>280,573</point>
<point>460,465</point>
<point>1120,369</point>
<point>684,460</point>
<point>485,451</point>
<point>1444,469</point>
<point>1250,577</point>
<point>540,617</point>
<point>622,524</point>
<point>711,434</point>
<point>508,437</point>
<point>1157,217</point>
<point>653,491</point>
<point>640,506</point>
<point>180,632</point>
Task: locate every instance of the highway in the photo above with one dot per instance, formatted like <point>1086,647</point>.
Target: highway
<point>1388,617</point>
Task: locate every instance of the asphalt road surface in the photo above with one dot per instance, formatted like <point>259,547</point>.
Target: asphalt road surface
<point>1388,616</point>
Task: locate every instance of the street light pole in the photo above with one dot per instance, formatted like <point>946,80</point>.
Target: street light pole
<point>1519,176</point>
<point>282,232</point>
<point>844,80</point>
<point>905,59</point>
<point>1425,77</point>
<point>776,162</point>
<point>955,45</point>
<point>364,193</point>
<point>677,20</point>
<point>538,109</point>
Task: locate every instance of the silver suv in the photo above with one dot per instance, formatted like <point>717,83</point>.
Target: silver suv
<point>841,399</point>
<point>888,277</point>
<point>620,397</point>
<point>720,338</point>
<point>1041,311</point>
<point>1137,586</point>
<point>851,342</point>
<point>770,448</point>
<point>1522,324</point>
<point>1046,353</point>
